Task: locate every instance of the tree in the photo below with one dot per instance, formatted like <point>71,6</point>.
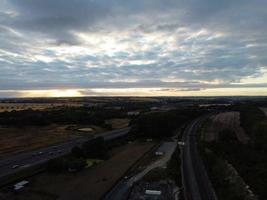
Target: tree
<point>76,163</point>
<point>95,148</point>
<point>56,165</point>
<point>77,152</point>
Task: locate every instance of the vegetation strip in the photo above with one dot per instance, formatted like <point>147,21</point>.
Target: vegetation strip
<point>249,160</point>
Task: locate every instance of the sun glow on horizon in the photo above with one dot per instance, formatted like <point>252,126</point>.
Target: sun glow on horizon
<point>51,93</point>
<point>80,92</point>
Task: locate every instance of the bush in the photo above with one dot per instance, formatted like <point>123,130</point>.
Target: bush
<point>249,160</point>
<point>56,165</point>
<point>77,152</point>
<point>173,167</point>
<point>76,164</point>
<point>156,174</point>
<point>62,164</point>
<point>95,148</point>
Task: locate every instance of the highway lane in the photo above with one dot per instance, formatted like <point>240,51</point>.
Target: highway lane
<point>196,183</point>
<point>42,155</point>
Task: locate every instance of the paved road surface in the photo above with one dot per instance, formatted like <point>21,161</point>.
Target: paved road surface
<point>120,191</point>
<point>42,155</point>
<point>196,183</point>
<point>168,148</point>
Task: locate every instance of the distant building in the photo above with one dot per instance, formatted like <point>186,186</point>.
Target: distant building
<point>153,192</point>
<point>214,104</point>
<point>159,153</point>
<point>133,113</point>
<point>154,108</point>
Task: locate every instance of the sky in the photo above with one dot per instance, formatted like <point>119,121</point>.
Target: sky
<point>133,48</point>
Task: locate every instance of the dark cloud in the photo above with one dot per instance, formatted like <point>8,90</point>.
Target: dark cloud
<point>123,43</point>
<point>57,19</point>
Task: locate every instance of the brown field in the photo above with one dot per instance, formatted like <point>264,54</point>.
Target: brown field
<point>118,123</point>
<point>227,120</point>
<point>15,140</point>
<point>90,184</point>
<point>34,106</point>
<point>264,109</point>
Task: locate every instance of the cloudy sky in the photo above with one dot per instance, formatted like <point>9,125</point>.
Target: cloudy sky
<point>133,47</point>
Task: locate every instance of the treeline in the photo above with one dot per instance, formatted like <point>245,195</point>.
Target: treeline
<point>134,105</point>
<point>254,121</point>
<point>63,115</point>
<point>162,124</point>
<point>250,160</point>
<point>173,167</point>
<point>250,163</point>
<point>227,184</point>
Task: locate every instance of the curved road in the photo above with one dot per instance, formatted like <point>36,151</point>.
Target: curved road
<point>196,183</point>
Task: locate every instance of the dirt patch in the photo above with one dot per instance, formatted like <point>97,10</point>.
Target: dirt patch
<point>86,129</point>
<point>89,184</point>
<point>227,120</point>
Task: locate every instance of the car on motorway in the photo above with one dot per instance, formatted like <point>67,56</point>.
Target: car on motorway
<point>15,166</point>
<point>25,166</point>
<point>181,143</point>
<point>38,153</point>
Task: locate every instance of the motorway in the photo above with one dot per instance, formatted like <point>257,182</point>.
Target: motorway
<point>196,183</point>
<point>17,162</point>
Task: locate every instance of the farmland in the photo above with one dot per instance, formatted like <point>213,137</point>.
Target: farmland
<point>238,158</point>
<point>15,140</point>
<point>222,121</point>
<point>118,123</point>
<point>8,107</point>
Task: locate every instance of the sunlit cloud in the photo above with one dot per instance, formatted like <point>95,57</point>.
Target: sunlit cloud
<point>157,47</point>
<point>50,93</point>
<point>138,92</point>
